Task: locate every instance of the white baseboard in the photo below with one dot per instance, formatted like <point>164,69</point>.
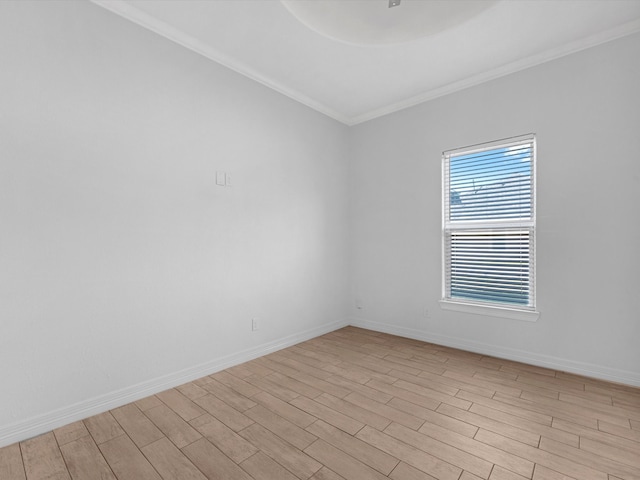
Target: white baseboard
<point>580,368</point>
<point>43,423</point>
<point>31,427</point>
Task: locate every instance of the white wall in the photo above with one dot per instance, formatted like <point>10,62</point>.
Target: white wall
<point>585,110</point>
<point>123,267</point>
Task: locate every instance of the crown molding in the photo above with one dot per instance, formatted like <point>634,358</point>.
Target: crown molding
<point>133,14</point>
<point>513,67</point>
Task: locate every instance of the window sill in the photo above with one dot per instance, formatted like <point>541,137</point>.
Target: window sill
<point>490,311</point>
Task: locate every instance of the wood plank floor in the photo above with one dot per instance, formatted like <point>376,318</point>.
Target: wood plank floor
<point>354,404</point>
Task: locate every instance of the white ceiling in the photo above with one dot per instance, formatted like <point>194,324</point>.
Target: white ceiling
<point>352,83</point>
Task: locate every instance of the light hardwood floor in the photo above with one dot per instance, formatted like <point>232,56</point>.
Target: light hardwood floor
<point>354,404</point>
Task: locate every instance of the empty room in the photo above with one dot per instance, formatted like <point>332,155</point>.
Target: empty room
<point>319,239</point>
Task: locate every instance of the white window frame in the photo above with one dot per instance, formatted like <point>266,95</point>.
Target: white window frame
<point>496,309</point>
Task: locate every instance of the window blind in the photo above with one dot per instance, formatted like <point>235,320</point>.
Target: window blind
<point>489,223</point>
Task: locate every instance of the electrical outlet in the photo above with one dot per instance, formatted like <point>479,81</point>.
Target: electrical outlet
<point>254,324</point>
<point>358,303</point>
<point>426,313</point>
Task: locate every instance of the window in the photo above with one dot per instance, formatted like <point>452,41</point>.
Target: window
<point>489,228</point>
